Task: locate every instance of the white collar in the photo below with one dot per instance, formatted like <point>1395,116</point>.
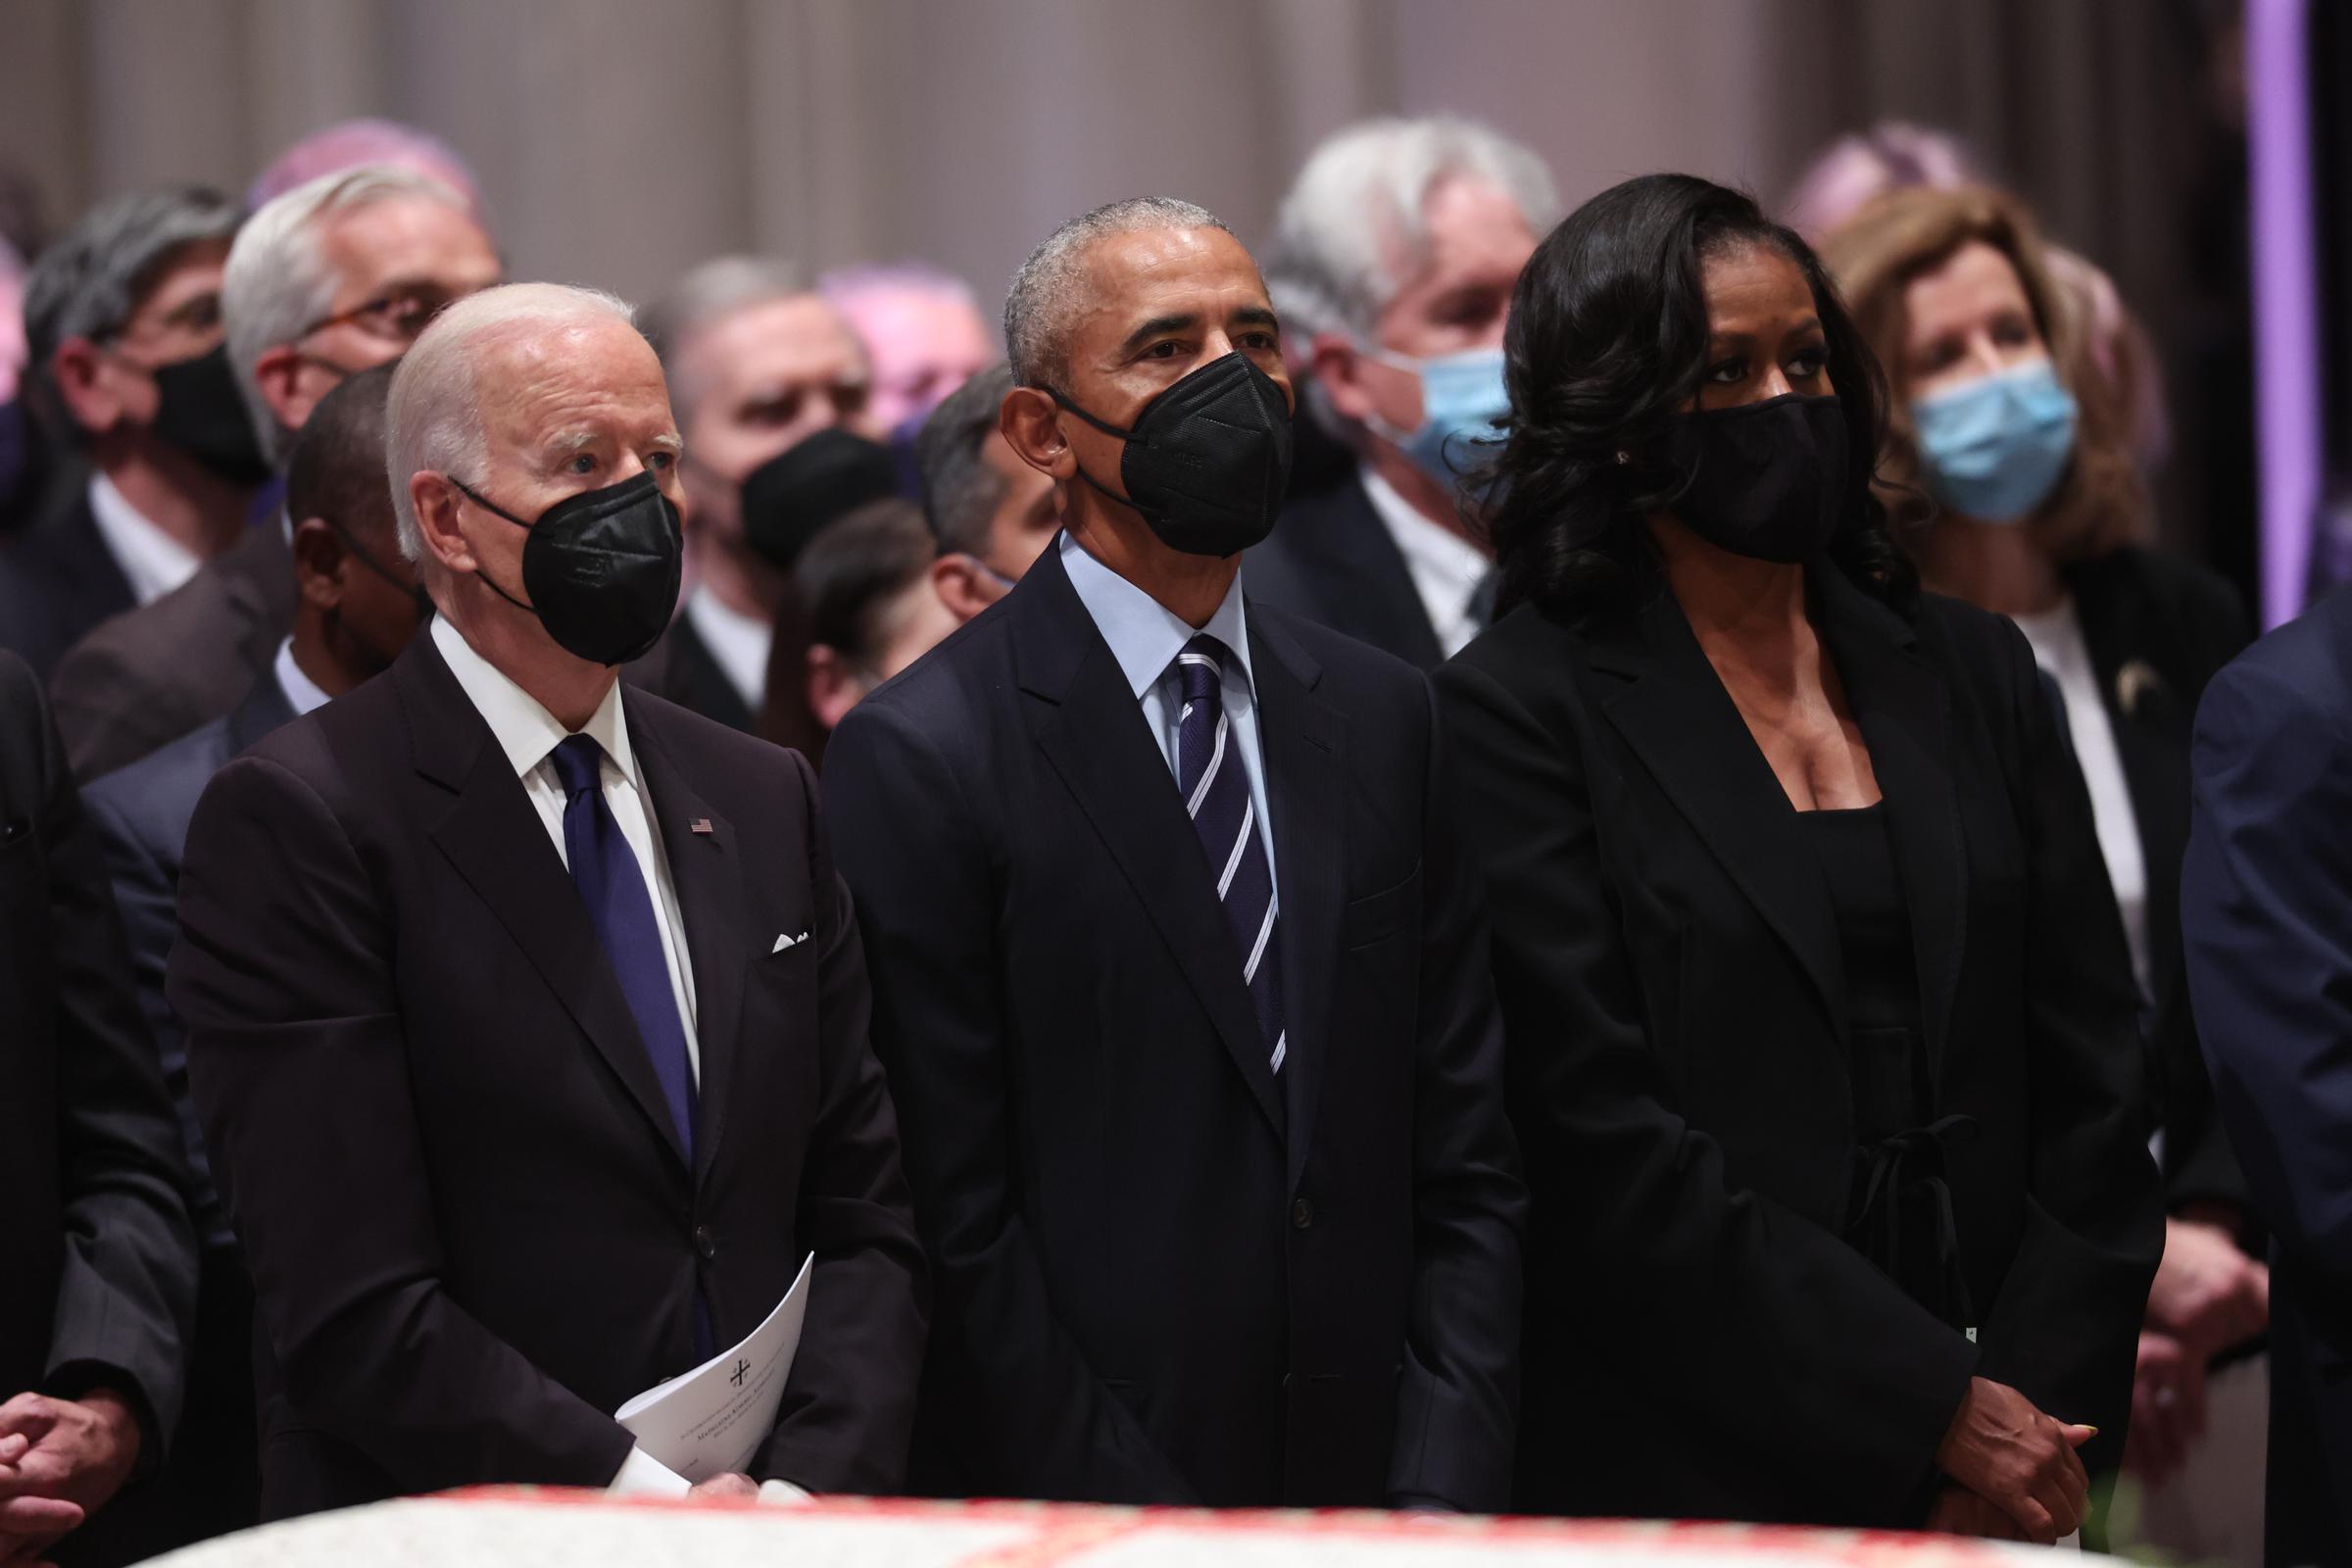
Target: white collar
<point>525,731</point>
<point>153,563</point>
<point>1430,549</point>
<point>1144,634</point>
<point>738,643</point>
<point>302,693</point>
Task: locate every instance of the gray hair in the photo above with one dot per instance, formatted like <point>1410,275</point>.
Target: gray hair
<point>433,420</point>
<point>960,491</point>
<point>280,281</point>
<point>716,289</point>
<point>1352,229</point>
<point>92,278</point>
<point>1046,291</point>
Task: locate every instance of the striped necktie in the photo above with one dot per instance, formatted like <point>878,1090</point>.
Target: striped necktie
<point>1216,793</point>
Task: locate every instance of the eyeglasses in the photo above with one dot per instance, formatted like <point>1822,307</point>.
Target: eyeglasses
<point>395,317</point>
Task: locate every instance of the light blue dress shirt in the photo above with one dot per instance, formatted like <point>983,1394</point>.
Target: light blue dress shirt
<point>1145,637</point>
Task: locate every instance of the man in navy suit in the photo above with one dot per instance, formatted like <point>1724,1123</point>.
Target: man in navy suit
<point>1179,969</point>
<point>2266,914</point>
<point>355,605</point>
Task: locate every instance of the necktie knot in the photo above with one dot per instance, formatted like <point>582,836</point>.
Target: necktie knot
<point>1200,668</point>
<point>578,761</point>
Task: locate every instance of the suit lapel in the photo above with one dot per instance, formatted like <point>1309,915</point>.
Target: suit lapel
<point>499,844</point>
<point>1678,718</point>
<point>1085,719</point>
<point>1904,707</point>
<point>1303,738</point>
<point>707,869</point>
<point>1357,558</point>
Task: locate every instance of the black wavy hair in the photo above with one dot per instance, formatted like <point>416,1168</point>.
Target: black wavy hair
<point>1607,341</point>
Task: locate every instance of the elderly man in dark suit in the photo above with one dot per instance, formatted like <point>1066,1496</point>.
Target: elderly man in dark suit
<point>325,280</point>
<point>122,328</point>
<point>525,1015</point>
<point>1180,973</point>
<point>355,605</point>
<point>1394,260</point>
<point>97,1269</point>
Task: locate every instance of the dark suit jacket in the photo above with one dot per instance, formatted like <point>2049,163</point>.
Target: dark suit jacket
<point>1331,561</point>
<point>2265,890</point>
<point>1702,1340</point>
<point>154,675</point>
<point>99,1279</point>
<point>681,671</point>
<point>2159,627</point>
<point>471,1230</point>
<point>141,816</point>
<point>57,578</point>
<point>1164,1273</point>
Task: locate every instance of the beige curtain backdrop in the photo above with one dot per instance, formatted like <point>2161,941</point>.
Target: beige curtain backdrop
<point>621,140</point>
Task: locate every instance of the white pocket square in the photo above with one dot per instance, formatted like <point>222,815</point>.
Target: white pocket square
<point>783,942</point>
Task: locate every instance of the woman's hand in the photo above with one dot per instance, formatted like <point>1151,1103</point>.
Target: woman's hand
<point>2208,1294</point>
<point>1959,1511</point>
<point>2012,1455</point>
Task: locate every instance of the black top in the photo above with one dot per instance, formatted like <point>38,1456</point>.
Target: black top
<point>1673,983</point>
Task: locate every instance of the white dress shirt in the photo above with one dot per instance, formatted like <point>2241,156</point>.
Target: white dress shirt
<point>1145,637</point>
<point>153,563</point>
<point>2059,648</point>
<point>528,734</point>
<point>1446,567</point>
<point>302,693</point>
<point>738,642</point>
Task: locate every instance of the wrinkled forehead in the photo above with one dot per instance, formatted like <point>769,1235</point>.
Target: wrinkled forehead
<point>1128,279</point>
<point>544,387</point>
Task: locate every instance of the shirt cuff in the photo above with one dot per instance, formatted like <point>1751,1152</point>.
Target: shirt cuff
<point>644,1476</point>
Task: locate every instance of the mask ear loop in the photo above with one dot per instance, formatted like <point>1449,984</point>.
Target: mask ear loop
<point>1092,483</point>
<point>496,509</point>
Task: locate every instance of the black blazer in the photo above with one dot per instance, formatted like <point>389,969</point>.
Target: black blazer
<point>159,672</point>
<point>1165,1274</point>
<point>57,578</point>
<point>471,1231</point>
<point>680,669</point>
<point>1331,561</point>
<point>97,1263</point>
<point>2159,627</point>
<point>1703,1342</point>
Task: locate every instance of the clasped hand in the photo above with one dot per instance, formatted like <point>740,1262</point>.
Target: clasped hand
<point>60,1461</point>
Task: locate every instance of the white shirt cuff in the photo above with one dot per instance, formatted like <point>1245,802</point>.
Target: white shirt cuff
<point>644,1476</point>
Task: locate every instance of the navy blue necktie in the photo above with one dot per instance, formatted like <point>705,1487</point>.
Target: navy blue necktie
<point>621,908</point>
<point>1216,792</point>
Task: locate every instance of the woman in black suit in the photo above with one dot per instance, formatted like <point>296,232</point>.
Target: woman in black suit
<point>1820,1015</point>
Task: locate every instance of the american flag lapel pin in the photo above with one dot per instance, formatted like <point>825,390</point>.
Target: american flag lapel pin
<point>700,825</point>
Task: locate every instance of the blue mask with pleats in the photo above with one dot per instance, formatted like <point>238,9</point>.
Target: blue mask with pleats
<point>1463,405</point>
<point>1994,449</point>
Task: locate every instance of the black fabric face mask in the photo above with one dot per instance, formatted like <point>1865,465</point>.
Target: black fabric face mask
<point>788,500</point>
<point>200,411</point>
<point>1208,459</point>
<point>1766,480</point>
<point>602,567</point>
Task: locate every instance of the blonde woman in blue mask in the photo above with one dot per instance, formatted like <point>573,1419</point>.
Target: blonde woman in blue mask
<point>2008,458</point>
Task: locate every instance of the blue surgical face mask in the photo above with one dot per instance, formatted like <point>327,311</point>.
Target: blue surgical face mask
<point>1463,405</point>
<point>1994,449</point>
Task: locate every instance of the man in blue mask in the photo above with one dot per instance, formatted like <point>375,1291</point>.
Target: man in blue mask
<point>1395,257</point>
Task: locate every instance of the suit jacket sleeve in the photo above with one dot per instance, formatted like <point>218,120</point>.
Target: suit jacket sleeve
<point>849,1407</point>
<point>1459,1394</point>
<point>1782,1337</point>
<point>284,977</point>
<point>126,1293</point>
<point>2270,951</point>
<point>916,861</point>
<point>2065,1324</point>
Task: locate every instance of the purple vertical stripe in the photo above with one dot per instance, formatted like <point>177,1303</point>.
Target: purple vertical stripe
<point>2287,318</point>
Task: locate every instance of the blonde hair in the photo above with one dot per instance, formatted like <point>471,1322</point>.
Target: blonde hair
<point>1893,239</point>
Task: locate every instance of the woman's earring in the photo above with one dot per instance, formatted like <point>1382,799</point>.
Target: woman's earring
<point>1624,458</point>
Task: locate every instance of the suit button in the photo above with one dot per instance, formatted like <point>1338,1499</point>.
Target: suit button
<point>705,1244</point>
<point>1302,1213</point>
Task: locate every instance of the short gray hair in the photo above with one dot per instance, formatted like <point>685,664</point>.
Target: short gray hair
<point>434,419</point>
<point>1352,229</point>
<point>91,279</point>
<point>716,289</point>
<point>960,491</point>
<point>280,282</point>
<point>1044,292</point>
